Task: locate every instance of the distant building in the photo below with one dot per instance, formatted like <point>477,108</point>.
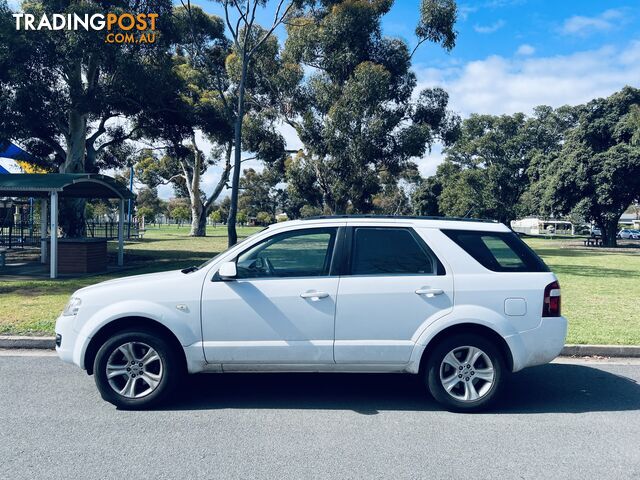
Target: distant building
<point>540,226</point>
<point>630,219</point>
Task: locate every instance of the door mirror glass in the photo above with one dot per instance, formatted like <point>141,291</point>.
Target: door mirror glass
<point>228,270</point>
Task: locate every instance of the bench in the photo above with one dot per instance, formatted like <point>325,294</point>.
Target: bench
<point>593,242</point>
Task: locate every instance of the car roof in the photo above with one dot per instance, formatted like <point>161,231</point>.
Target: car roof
<point>416,221</point>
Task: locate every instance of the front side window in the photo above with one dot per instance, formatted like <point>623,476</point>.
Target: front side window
<point>300,253</point>
<point>384,251</point>
<point>498,251</point>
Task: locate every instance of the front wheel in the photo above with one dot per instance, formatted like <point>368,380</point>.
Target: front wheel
<point>136,369</point>
<point>465,373</point>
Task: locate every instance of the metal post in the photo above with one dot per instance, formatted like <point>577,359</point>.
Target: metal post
<point>130,204</point>
<point>53,254</point>
<point>121,234</point>
<point>43,231</point>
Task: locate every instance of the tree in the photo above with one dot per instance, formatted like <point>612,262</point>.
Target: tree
<point>248,40</point>
<point>182,162</point>
<point>354,111</point>
<point>258,192</point>
<point>211,73</point>
<point>491,166</point>
<point>425,197</point>
<point>148,203</point>
<point>178,209</point>
<point>242,217</point>
<point>93,86</point>
<point>216,217</point>
<point>597,171</point>
<point>264,218</point>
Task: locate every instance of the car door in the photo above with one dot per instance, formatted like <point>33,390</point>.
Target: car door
<point>394,284</point>
<point>280,308</point>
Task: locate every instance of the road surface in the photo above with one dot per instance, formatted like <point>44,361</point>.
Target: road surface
<point>572,419</point>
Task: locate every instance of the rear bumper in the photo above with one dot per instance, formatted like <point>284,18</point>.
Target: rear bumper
<point>539,345</point>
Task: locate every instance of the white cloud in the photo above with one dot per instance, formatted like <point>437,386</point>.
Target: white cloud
<point>583,26</point>
<point>494,27</point>
<point>525,49</point>
<point>497,85</point>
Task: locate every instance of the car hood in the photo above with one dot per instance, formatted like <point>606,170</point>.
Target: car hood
<point>134,282</point>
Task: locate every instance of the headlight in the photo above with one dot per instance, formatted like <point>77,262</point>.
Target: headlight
<point>72,307</point>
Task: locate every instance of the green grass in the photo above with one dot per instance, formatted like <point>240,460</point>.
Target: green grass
<point>600,290</point>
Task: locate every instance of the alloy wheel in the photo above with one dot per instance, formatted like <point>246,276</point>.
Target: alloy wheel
<point>466,373</point>
<point>134,370</point>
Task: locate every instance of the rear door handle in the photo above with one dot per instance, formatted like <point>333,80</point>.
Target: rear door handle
<point>429,292</point>
<point>313,295</point>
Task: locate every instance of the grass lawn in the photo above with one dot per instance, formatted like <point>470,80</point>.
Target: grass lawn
<point>600,290</point>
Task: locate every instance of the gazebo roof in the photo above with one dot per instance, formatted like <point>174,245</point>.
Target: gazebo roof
<point>70,185</point>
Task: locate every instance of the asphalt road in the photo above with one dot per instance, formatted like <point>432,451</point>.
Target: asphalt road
<point>565,420</point>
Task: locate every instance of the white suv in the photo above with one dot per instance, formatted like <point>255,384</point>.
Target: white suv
<point>461,303</point>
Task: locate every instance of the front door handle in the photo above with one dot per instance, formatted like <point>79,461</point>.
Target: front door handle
<point>313,295</point>
<point>429,292</point>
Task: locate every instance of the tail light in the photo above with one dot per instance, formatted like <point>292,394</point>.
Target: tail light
<point>551,304</point>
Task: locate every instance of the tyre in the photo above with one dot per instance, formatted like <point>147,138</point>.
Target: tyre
<point>137,369</point>
<point>465,373</point>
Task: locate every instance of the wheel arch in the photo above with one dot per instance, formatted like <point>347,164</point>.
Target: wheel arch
<point>129,323</point>
<point>475,328</point>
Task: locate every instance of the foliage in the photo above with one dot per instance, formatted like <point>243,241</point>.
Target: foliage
<point>597,171</point>
<point>488,170</point>
<point>64,95</point>
<point>354,111</point>
<point>264,218</point>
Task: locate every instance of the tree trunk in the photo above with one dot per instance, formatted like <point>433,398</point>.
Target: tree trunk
<point>237,152</point>
<point>198,227</point>
<point>72,209</point>
<point>609,231</point>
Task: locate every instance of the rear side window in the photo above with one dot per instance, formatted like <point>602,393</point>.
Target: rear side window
<point>498,251</point>
<point>384,251</point>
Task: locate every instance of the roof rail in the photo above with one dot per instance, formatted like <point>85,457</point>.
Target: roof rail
<point>402,217</point>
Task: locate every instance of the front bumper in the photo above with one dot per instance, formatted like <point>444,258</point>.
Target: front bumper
<point>68,339</point>
<point>539,345</point>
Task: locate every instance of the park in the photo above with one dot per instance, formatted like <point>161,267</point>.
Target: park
<point>599,285</point>
<point>393,167</point>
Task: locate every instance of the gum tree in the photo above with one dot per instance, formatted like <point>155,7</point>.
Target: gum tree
<point>355,109</point>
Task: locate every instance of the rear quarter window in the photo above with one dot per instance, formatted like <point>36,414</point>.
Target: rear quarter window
<point>498,251</point>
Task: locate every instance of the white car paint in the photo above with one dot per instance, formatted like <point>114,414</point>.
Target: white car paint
<point>364,323</point>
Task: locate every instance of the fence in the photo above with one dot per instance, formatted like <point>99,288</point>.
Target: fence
<point>27,233</point>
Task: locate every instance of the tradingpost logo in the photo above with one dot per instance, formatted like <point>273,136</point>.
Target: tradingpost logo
<point>120,27</point>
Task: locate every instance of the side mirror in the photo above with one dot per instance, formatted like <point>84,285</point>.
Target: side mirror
<point>228,271</point>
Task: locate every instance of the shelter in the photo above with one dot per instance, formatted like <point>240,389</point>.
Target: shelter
<point>53,186</point>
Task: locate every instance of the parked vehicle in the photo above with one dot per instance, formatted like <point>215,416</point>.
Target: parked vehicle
<point>628,233</point>
<point>460,303</point>
<point>596,232</point>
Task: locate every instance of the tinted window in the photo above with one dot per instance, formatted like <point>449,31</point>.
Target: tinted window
<point>500,252</point>
<point>379,251</point>
<point>302,253</point>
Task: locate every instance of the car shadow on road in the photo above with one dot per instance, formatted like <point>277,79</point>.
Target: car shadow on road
<point>554,388</point>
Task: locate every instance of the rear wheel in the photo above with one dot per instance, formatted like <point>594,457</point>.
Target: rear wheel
<point>136,369</point>
<point>465,372</point>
